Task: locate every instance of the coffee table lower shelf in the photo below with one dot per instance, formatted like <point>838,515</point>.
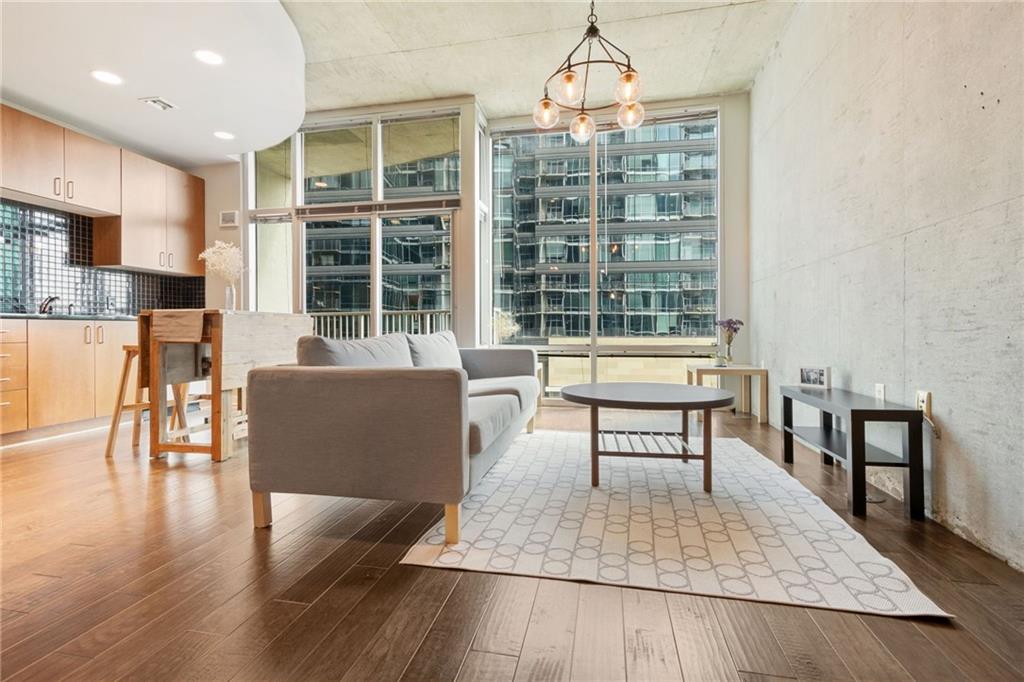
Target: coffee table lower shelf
<point>661,444</point>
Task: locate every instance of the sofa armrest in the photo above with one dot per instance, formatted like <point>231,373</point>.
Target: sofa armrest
<point>484,363</point>
<point>353,432</point>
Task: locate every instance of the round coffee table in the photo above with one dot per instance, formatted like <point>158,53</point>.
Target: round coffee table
<point>648,396</point>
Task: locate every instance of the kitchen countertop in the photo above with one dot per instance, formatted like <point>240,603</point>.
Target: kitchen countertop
<point>65,316</point>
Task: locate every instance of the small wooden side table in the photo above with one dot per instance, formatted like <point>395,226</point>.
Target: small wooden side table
<point>745,372</point>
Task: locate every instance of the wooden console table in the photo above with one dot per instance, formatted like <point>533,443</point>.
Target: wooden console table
<point>745,372</point>
<point>855,410</point>
<point>182,346</point>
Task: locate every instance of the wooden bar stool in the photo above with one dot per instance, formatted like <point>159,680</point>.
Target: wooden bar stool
<point>180,392</point>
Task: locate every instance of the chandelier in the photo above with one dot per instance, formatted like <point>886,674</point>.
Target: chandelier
<point>570,87</point>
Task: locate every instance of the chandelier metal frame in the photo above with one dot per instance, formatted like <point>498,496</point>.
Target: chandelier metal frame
<point>571,87</point>
<point>591,35</point>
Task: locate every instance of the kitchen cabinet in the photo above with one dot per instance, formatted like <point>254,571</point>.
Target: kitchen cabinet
<point>32,154</point>
<point>186,222</point>
<point>162,223</point>
<point>61,372</point>
<point>110,338</point>
<point>59,168</point>
<point>13,411</point>
<point>73,369</point>
<point>13,375</point>
<point>92,173</point>
<point>138,237</point>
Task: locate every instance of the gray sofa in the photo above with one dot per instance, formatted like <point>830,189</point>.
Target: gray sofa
<point>396,417</point>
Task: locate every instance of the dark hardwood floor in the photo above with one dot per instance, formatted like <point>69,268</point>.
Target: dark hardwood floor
<point>132,569</point>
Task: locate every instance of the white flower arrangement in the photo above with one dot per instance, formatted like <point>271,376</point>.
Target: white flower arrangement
<point>224,260</point>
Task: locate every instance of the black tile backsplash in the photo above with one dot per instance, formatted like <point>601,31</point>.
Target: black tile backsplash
<point>49,253</point>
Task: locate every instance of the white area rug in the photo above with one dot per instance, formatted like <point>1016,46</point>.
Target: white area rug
<point>761,535</point>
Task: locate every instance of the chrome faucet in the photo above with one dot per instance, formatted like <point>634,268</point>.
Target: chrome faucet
<point>46,307</point>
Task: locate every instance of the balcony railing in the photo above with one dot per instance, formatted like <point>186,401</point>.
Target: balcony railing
<point>348,325</point>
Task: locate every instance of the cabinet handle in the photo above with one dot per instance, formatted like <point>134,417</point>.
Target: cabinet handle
<point>161,259</point>
<point>70,193</point>
<point>5,404</point>
<point>4,331</point>
<point>5,355</point>
<point>99,334</point>
<point>56,186</point>
<point>3,379</point>
<point>88,333</point>
<point>170,259</point>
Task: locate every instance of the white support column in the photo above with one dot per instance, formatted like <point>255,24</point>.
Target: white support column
<point>465,236</point>
<point>376,244</point>
<point>298,228</point>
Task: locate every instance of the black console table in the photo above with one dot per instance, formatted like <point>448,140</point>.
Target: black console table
<point>855,409</point>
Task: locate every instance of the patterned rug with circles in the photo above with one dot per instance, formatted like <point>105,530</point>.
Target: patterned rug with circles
<point>760,535</point>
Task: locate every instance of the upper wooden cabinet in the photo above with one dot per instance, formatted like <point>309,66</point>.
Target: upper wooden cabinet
<point>186,222</point>
<point>64,168</point>
<point>32,154</point>
<point>161,226</point>
<point>92,173</point>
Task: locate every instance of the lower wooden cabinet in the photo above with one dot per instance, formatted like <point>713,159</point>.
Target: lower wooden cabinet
<point>61,372</point>
<point>110,339</point>
<point>13,375</point>
<point>73,368</point>
<point>13,411</point>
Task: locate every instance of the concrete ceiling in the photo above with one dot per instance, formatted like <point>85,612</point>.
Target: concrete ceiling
<point>365,53</point>
<point>49,49</point>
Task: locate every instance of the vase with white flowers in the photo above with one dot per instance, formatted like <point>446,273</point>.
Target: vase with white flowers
<point>224,260</point>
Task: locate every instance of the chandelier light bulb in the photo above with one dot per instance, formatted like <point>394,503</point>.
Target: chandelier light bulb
<point>545,113</point>
<point>630,115</point>
<point>570,88</point>
<point>627,88</point>
<point>582,128</point>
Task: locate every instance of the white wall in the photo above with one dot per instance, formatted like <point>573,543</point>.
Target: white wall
<point>223,193</point>
<point>886,231</point>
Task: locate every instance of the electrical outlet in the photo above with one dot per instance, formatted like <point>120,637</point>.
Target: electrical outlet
<point>879,391</point>
<point>923,402</point>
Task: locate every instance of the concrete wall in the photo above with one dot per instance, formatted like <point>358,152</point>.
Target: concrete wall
<point>223,193</point>
<point>886,231</point>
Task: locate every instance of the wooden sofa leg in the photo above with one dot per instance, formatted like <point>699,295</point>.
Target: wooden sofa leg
<point>262,516</point>
<point>531,424</point>
<point>451,523</point>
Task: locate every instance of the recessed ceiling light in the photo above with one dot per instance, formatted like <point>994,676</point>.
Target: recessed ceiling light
<point>320,184</point>
<point>107,77</point>
<point>220,134</point>
<point>208,57</point>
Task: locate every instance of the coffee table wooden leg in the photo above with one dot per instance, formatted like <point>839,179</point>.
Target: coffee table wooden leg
<point>595,439</point>
<point>707,449</point>
<point>686,434</point>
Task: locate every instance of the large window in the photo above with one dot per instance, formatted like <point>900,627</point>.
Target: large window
<point>370,262</point>
<point>657,227</point>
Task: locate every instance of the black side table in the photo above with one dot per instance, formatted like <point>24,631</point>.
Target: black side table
<point>855,410</point>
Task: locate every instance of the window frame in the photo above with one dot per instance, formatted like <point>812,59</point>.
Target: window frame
<point>464,206</point>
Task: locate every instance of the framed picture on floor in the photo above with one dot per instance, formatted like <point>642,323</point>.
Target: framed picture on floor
<point>816,377</point>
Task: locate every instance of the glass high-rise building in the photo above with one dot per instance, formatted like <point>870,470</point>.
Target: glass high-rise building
<point>657,233</point>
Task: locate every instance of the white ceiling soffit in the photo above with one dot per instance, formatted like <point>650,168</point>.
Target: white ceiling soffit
<point>257,94</point>
<point>364,53</point>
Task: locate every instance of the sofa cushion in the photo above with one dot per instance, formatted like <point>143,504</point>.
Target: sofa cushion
<point>439,350</point>
<point>391,350</point>
<point>526,388</point>
<point>489,416</point>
